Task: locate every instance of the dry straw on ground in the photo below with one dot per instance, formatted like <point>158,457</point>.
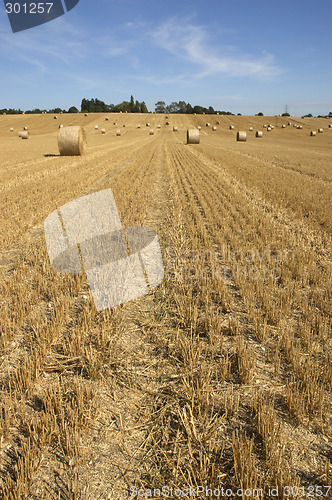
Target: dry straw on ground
<point>221,375</point>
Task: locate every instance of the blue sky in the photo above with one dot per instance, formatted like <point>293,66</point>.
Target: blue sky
<point>243,56</point>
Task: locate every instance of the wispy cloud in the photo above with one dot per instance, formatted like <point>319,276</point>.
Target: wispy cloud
<point>60,43</point>
<point>192,44</point>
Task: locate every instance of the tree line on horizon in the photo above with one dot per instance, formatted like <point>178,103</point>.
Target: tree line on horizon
<point>134,106</point>
<point>186,108</point>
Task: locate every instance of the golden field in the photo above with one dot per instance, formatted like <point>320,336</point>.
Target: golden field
<point>219,377</point>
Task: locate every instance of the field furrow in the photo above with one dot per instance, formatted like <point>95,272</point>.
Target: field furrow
<point>219,376</point>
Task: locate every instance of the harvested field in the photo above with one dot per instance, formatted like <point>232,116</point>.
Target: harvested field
<point>219,377</point>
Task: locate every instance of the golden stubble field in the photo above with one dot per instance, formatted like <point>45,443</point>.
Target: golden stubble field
<point>221,376</point>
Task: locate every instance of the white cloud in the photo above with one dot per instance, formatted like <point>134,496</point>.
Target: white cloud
<point>191,43</point>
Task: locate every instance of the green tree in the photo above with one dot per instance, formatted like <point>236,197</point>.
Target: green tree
<point>160,107</point>
<point>189,109</point>
<point>73,109</point>
<point>137,107</point>
<point>143,108</point>
<point>132,104</point>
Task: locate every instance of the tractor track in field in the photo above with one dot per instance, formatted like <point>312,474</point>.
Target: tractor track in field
<point>197,183</point>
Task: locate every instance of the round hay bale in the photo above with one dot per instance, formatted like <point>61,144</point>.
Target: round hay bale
<point>320,130</point>
<point>103,131</point>
<point>118,132</point>
<point>269,129</point>
<point>60,126</point>
<point>11,129</point>
<point>166,117</point>
<point>241,136</point>
<point>106,119</point>
<point>151,132</point>
<point>199,127</point>
<point>138,126</point>
<point>24,135</point>
<point>158,126</point>
<point>218,122</point>
<point>55,117</point>
<point>231,127</point>
<point>214,128</point>
<point>175,129</point>
<point>25,128</point>
<point>114,123</point>
<point>96,127</point>
<point>259,133</point>
<point>313,132</point>
<point>283,126</point>
<point>192,136</point>
<point>289,123</point>
<point>330,126</point>
<point>72,141</point>
<point>167,123</point>
<point>147,124</point>
<point>251,129</point>
<point>85,114</point>
<point>124,125</point>
<point>207,124</point>
<point>264,125</point>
